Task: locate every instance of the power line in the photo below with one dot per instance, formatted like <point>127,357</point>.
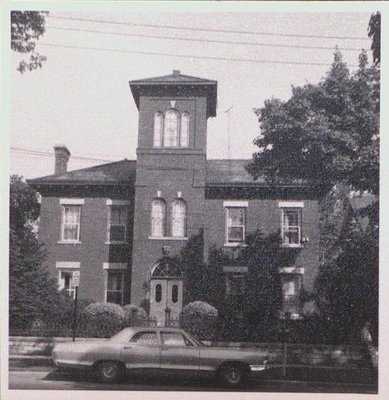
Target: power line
<point>147,53</point>
<point>49,154</point>
<point>205,29</point>
<point>205,40</point>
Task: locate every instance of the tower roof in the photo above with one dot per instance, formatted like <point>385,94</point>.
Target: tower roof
<point>176,84</point>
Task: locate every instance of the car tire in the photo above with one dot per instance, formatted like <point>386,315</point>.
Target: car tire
<point>109,371</point>
<point>232,375</point>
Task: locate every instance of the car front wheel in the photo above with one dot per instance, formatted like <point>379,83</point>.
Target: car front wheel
<point>232,375</point>
<point>109,371</point>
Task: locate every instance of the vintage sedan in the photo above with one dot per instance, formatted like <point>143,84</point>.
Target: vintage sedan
<point>160,350</point>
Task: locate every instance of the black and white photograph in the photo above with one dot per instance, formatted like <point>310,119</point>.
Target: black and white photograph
<point>191,200</point>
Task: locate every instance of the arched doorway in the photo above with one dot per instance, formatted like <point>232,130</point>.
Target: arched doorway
<point>165,291</point>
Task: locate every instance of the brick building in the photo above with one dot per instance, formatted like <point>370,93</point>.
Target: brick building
<point>120,224</point>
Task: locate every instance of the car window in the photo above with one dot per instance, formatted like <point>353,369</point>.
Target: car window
<point>174,339</point>
<point>146,338</point>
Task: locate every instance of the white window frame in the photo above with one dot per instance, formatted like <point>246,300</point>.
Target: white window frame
<point>116,271</point>
<point>180,202</point>
<point>153,218</point>
<point>70,203</point>
<point>67,267</point>
<point>158,130</point>
<point>184,128</point>
<point>227,225</point>
<point>292,228</point>
<point>124,224</point>
<point>174,141</point>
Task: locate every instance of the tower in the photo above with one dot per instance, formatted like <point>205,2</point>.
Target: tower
<point>170,182</point>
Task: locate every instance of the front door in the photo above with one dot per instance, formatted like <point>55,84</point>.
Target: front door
<point>165,299</point>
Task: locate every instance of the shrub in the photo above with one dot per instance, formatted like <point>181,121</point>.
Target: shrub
<point>132,309</point>
<point>102,320</point>
<point>199,318</point>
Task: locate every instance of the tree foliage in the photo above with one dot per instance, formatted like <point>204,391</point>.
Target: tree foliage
<point>347,286</point>
<point>374,32</point>
<point>326,132</point>
<point>26,28</point>
<point>32,294</point>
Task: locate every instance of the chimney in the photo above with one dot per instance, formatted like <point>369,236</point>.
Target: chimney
<point>176,72</point>
<point>62,155</point>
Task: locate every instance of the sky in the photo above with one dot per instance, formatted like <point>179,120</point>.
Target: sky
<point>81,98</point>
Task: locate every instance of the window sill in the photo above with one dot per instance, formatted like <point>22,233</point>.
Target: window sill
<point>292,246</point>
<point>235,245</point>
<point>167,238</point>
<point>69,242</point>
<point>116,242</point>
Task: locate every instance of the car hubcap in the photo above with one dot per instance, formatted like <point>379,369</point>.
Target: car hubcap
<point>233,375</point>
<point>109,370</point>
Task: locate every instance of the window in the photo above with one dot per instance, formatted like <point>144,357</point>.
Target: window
<point>66,283</point>
<point>174,339</point>
<point>158,293</point>
<point>158,218</point>
<point>291,226</point>
<point>171,129</point>
<point>235,284</point>
<point>235,224</point>
<point>117,223</point>
<point>115,287</point>
<point>175,293</point>
<point>158,128</point>
<point>71,217</point>
<point>179,218</point>
<point>291,289</point>
<point>184,137</point>
<point>145,338</point>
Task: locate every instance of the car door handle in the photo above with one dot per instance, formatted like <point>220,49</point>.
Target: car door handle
<point>127,347</point>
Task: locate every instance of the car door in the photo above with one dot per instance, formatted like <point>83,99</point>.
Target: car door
<point>178,352</point>
<point>142,350</point>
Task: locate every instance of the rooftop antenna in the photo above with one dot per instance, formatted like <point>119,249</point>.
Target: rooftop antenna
<point>228,111</point>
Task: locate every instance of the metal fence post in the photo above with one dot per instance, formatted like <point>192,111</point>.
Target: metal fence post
<point>284,360</point>
<point>75,314</point>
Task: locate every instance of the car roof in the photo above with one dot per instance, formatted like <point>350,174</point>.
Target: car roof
<point>157,328</point>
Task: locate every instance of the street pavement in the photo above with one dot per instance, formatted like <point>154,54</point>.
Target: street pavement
<point>50,378</point>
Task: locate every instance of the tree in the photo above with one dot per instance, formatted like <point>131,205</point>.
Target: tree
<point>326,133</point>
<point>347,287</point>
<point>26,28</point>
<point>32,293</point>
<point>374,32</point>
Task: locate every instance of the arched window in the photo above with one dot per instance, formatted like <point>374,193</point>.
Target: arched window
<point>158,127</point>
<point>158,217</point>
<point>171,129</point>
<point>184,138</point>
<point>179,218</point>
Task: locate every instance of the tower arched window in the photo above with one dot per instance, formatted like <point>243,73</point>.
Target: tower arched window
<point>171,129</point>
<point>184,136</point>
<point>158,218</point>
<point>179,218</point>
<point>158,129</point>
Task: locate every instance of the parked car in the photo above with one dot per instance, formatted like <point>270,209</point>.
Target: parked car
<point>160,350</point>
